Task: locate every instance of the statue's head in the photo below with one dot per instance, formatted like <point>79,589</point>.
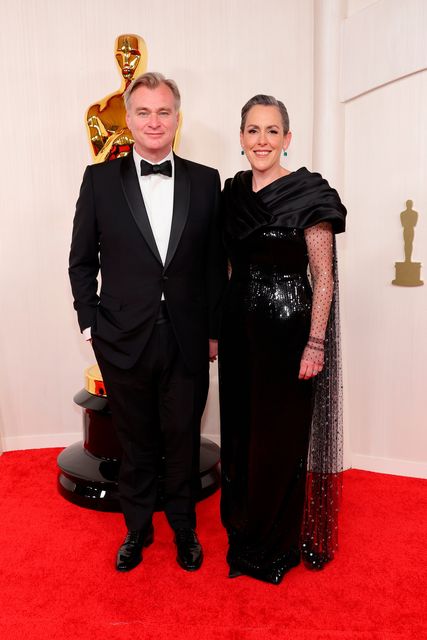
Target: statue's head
<point>131,53</point>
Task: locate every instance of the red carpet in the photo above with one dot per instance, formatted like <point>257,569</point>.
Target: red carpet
<point>58,580</point>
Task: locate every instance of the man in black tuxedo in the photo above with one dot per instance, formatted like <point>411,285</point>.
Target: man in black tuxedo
<point>148,223</point>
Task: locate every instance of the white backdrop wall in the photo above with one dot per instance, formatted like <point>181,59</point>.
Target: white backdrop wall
<point>56,58</point>
<point>385,160</point>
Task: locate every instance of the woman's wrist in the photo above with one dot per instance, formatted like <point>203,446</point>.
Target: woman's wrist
<point>316,343</point>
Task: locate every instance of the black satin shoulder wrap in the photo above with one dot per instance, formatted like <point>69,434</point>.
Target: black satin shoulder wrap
<point>299,200</point>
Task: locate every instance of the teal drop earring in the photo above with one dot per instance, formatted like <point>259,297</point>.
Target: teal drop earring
<point>242,152</point>
<point>285,153</point>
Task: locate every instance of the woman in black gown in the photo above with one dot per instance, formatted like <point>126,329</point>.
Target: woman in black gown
<point>279,357</point>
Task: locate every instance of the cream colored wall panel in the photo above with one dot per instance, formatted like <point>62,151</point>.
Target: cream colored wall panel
<point>386,346</point>
<point>385,41</point>
<point>56,58</point>
<point>357,5</point>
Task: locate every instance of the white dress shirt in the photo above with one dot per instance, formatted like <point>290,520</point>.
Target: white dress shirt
<point>157,191</point>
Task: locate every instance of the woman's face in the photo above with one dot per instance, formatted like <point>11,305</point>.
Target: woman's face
<point>263,139</point>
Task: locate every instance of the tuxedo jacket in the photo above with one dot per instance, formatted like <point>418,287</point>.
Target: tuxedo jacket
<point>112,237</point>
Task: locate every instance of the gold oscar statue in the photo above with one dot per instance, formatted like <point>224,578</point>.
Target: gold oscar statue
<point>408,273</point>
<point>109,136</point>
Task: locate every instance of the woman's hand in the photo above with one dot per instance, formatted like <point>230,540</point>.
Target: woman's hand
<point>312,360</point>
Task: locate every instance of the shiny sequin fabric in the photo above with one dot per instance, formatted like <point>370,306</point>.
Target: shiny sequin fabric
<point>280,436</point>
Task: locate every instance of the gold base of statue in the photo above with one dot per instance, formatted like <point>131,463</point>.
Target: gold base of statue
<point>408,274</point>
<point>94,382</point>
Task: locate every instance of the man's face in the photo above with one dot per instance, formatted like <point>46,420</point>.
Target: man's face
<point>153,121</point>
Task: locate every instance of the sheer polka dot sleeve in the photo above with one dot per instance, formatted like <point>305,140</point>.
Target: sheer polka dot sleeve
<point>319,240</point>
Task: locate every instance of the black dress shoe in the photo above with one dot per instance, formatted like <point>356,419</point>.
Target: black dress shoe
<point>189,550</point>
<point>130,553</point>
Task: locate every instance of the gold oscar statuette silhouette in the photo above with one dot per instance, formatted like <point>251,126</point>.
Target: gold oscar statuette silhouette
<point>408,273</point>
<point>109,136</point>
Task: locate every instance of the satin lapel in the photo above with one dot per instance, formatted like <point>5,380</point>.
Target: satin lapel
<point>181,203</point>
<point>135,201</point>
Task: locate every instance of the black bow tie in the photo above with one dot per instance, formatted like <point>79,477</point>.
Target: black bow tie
<point>165,168</point>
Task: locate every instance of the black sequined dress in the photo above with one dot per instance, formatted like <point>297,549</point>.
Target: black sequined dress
<point>280,436</point>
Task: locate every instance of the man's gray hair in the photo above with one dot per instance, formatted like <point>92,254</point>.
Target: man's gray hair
<point>152,80</point>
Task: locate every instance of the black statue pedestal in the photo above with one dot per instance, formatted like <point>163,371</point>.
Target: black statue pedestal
<point>89,469</point>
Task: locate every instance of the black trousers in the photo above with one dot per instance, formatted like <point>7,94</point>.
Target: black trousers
<point>156,409</point>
